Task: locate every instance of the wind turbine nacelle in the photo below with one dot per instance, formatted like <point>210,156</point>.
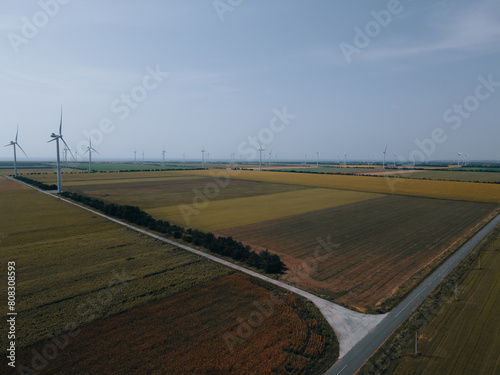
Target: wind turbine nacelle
<point>53,135</point>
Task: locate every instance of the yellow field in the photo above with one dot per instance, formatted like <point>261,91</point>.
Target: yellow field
<point>230,213</point>
<point>467,191</point>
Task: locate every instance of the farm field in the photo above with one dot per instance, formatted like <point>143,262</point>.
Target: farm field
<point>205,330</point>
<point>465,336</point>
<point>76,270</point>
<point>287,213</point>
<point>42,233</point>
<point>380,244</point>
<point>455,176</point>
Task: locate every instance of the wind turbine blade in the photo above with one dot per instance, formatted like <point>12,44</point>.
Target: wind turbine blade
<point>18,145</point>
<point>17,132</point>
<point>60,125</point>
<point>52,140</point>
<point>385,150</point>
<point>62,139</point>
<point>93,149</point>
<point>87,150</point>
<point>10,144</point>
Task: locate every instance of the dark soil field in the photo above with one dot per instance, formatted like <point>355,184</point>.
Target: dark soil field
<point>379,244</point>
<point>227,326</point>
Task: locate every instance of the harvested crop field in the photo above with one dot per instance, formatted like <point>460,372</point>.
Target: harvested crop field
<point>66,259</point>
<point>229,213</point>
<point>225,326</point>
<point>380,242</point>
<point>457,176</point>
<point>464,337</point>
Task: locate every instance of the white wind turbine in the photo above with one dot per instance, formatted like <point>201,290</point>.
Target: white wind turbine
<point>260,156</point>
<point>135,156</point>
<point>203,157</point>
<point>56,137</point>
<point>89,150</point>
<point>270,157</point>
<point>459,154</point>
<point>395,156</point>
<point>163,156</point>
<point>15,144</point>
<point>345,159</point>
<point>317,161</point>
<point>385,150</point>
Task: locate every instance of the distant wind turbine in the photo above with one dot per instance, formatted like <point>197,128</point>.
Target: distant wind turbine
<point>459,154</point>
<point>56,137</point>
<point>270,156</point>
<point>203,157</point>
<point>395,156</point>
<point>163,156</point>
<point>345,159</point>
<point>385,150</point>
<point>260,156</point>
<point>15,144</point>
<point>89,150</point>
<point>135,156</point>
<point>317,161</point>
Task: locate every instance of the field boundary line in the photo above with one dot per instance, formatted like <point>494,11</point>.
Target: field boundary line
<point>350,326</point>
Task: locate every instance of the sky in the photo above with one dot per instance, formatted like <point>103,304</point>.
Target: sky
<point>293,78</point>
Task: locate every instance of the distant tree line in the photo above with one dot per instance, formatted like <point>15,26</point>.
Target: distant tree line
<point>38,184</point>
<point>226,246</point>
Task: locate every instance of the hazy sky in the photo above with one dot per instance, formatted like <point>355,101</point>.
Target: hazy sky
<point>300,76</point>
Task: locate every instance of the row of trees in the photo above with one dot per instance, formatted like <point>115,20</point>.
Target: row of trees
<point>225,246</point>
<point>38,184</point>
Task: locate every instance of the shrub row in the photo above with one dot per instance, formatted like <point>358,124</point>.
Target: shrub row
<point>225,246</point>
<point>38,184</point>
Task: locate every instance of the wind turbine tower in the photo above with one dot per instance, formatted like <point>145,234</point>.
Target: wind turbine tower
<point>56,137</point>
<point>459,154</point>
<point>317,161</point>
<point>260,157</point>
<point>89,150</point>
<point>385,150</point>
<point>345,159</point>
<point>15,144</point>
<point>163,156</point>
<point>203,157</point>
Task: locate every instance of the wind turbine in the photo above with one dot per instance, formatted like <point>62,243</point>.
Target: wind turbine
<point>385,150</point>
<point>76,156</point>
<point>56,137</point>
<point>203,157</point>
<point>260,156</point>
<point>395,156</point>
<point>459,154</point>
<point>345,159</point>
<point>142,157</point>
<point>89,150</point>
<point>163,156</point>
<point>14,144</point>
<point>270,156</point>
<point>317,161</point>
<point>135,156</point>
<point>305,155</point>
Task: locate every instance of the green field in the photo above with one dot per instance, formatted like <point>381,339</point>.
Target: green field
<point>464,337</point>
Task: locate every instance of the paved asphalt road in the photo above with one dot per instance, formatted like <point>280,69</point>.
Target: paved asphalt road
<point>362,351</point>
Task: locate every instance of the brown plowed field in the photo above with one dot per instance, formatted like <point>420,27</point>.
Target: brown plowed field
<point>382,243</point>
<point>226,326</point>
